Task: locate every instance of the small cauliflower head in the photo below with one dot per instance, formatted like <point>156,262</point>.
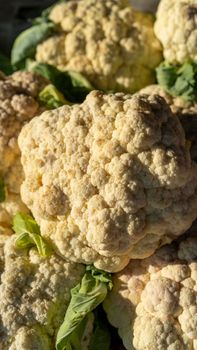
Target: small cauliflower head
<point>176,28</point>
<point>18,104</point>
<point>107,41</point>
<point>154,301</point>
<point>185,111</point>
<point>35,293</point>
<point>109,180</point>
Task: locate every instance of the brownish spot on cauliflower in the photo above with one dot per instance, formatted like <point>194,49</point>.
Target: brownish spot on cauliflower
<point>109,180</point>
<point>185,111</point>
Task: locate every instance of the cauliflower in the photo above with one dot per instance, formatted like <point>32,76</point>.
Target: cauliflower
<point>35,293</point>
<point>176,28</point>
<point>109,180</point>
<point>185,111</point>
<point>154,301</point>
<point>18,105</point>
<point>107,41</point>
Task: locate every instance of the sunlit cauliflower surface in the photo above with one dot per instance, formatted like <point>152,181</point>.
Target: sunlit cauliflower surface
<point>110,179</point>
<point>185,111</point>
<point>176,28</point>
<point>111,44</point>
<point>18,104</point>
<point>35,293</point>
<point>154,301</point>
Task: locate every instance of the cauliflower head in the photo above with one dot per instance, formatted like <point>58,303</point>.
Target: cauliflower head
<point>110,179</point>
<point>18,104</point>
<point>35,293</point>
<point>176,28</point>
<point>185,111</point>
<point>107,41</point>
<point>154,301</point>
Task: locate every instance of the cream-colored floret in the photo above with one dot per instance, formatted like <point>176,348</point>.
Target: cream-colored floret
<point>111,44</point>
<point>154,301</point>
<point>110,179</point>
<point>35,293</point>
<point>185,111</point>
<point>176,28</point>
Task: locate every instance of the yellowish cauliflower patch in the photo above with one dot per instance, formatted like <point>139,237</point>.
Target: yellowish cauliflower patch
<point>109,180</point>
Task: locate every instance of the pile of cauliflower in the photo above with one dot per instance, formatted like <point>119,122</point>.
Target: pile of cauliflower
<point>111,182</point>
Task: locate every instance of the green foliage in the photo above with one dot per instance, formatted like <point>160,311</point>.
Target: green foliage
<point>179,80</point>
<point>85,297</point>
<point>51,98</point>
<point>74,86</point>
<point>29,235</point>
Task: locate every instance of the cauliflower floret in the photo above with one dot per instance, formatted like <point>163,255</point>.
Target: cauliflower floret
<point>35,293</point>
<point>110,179</point>
<point>18,105</point>
<point>107,41</point>
<point>154,301</point>
<point>176,28</point>
<point>185,111</point>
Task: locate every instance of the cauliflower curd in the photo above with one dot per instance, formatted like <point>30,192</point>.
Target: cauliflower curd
<point>107,41</point>
<point>176,28</point>
<point>154,301</point>
<point>109,180</point>
<point>35,293</point>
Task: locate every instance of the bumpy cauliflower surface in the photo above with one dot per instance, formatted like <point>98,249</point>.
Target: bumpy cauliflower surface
<point>18,104</point>
<point>154,301</point>
<point>35,293</point>
<point>185,111</point>
<point>110,179</point>
<point>176,28</point>
<point>111,44</point>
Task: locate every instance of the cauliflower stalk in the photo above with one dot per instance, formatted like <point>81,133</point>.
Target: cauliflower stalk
<point>154,301</point>
<point>109,180</point>
<point>111,44</point>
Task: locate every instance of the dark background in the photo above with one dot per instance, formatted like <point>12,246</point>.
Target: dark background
<point>15,17</point>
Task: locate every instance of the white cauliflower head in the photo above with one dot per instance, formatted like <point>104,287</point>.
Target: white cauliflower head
<point>154,301</point>
<point>185,111</point>
<point>107,41</point>
<point>110,179</point>
<point>35,293</point>
<point>18,104</point>
<point>176,28</point>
